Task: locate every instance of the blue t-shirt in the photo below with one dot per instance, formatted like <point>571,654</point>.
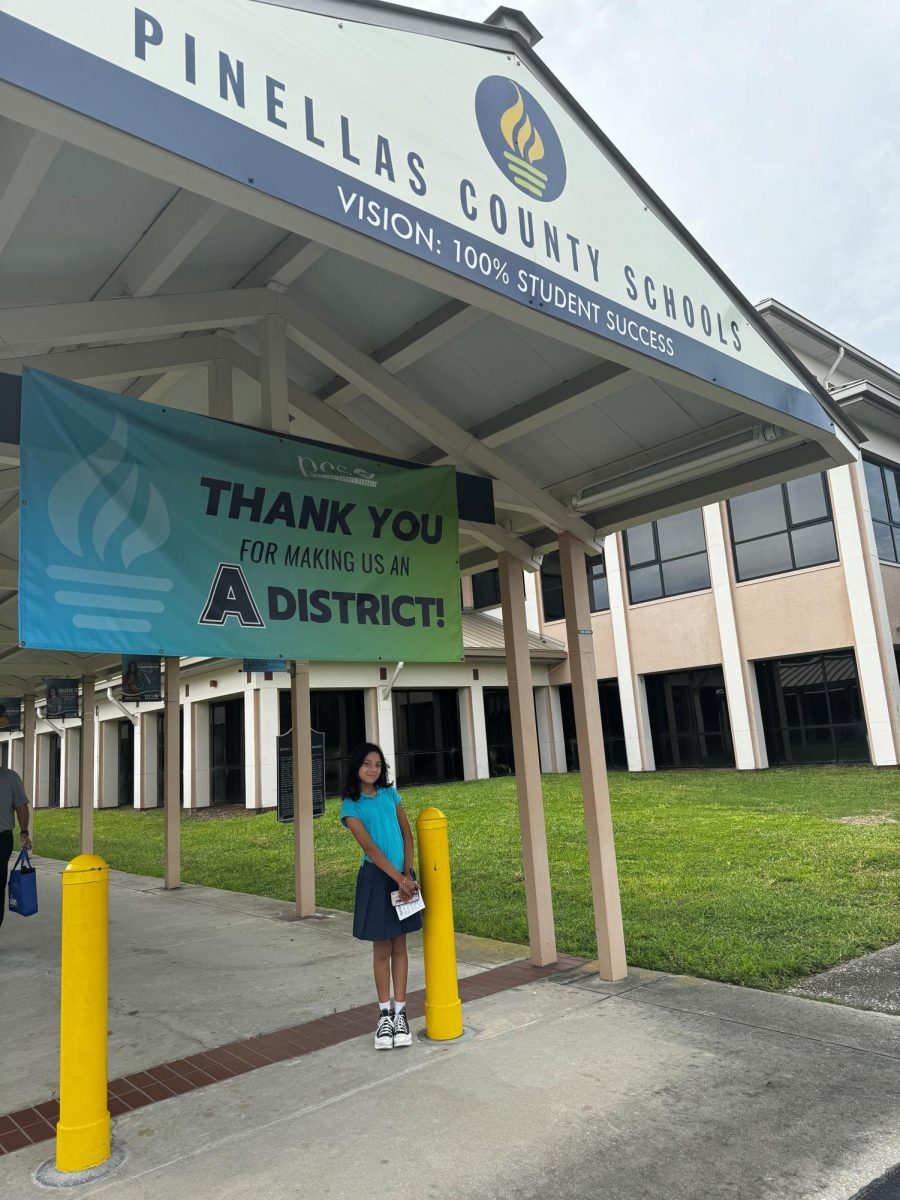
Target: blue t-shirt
<point>379,815</point>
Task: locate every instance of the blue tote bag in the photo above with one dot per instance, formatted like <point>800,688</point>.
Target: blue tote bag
<point>23,887</point>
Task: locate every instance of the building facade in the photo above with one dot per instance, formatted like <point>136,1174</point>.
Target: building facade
<point>760,631</point>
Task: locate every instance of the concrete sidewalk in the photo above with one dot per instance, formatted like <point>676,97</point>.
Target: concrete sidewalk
<point>655,1087</point>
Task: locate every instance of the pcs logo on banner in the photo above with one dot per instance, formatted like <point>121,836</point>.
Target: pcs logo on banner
<point>520,138</point>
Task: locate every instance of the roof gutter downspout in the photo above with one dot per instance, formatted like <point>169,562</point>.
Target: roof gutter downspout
<point>834,366</point>
<point>386,688</point>
<point>120,706</point>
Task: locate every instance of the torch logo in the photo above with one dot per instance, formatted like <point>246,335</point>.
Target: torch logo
<point>520,138</point>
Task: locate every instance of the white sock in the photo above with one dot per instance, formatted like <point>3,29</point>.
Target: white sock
<point>399,1005</point>
<point>384,1005</point>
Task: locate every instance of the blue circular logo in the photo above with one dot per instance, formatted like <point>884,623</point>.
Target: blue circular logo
<point>520,137</point>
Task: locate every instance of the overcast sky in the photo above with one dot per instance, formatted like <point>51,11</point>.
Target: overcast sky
<point>771,129</point>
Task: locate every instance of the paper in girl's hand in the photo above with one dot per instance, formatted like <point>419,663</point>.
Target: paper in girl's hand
<point>406,908</point>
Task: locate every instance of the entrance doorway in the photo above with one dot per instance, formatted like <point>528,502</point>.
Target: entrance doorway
<point>226,751</point>
<point>812,709</point>
<point>689,719</point>
<point>126,764</point>
<point>610,719</point>
<point>427,732</point>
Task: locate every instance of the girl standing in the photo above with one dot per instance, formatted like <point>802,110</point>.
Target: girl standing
<point>372,811</point>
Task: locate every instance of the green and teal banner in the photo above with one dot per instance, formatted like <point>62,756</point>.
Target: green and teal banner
<point>148,530</point>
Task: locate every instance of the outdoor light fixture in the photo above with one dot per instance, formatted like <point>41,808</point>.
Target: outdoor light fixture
<point>680,468</point>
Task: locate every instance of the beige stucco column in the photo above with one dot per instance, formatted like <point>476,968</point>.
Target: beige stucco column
<point>592,760</point>
<point>538,896</point>
<point>172,767</point>
<point>86,790</point>
<point>301,747</point>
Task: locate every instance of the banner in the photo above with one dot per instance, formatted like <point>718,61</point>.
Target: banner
<point>146,530</point>
<point>141,677</point>
<point>267,665</point>
<point>10,714</point>
<point>62,698</point>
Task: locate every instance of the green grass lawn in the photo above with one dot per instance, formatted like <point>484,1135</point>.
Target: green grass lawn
<point>744,877</point>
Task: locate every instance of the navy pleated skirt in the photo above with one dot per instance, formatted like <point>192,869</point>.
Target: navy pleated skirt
<point>374,917</point>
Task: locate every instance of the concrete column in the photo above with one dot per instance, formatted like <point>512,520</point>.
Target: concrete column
<point>538,897</point>
<point>301,744</point>
<point>29,746</point>
<point>467,732</point>
<point>532,612</point>
<point>370,705</point>
<point>872,638</point>
<point>630,693</point>
<point>108,772</point>
<point>252,797</point>
<point>747,752</point>
<point>41,797</point>
<point>148,761</point>
<point>551,743</point>
<point>189,758</point>
<point>71,769</point>
<point>88,739</point>
<point>266,708</point>
<point>592,762</point>
<point>137,762</point>
<point>273,380</point>
<point>17,757</point>
<point>172,824</point>
<point>482,761</point>
<point>197,721</point>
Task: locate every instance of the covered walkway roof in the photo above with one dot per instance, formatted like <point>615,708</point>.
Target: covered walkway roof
<point>180,184</point>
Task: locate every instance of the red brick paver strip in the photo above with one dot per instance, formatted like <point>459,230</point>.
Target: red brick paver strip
<point>28,1126</point>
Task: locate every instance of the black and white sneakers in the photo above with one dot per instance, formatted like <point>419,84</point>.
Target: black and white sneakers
<point>402,1036</point>
<point>384,1031</point>
<point>392,1030</point>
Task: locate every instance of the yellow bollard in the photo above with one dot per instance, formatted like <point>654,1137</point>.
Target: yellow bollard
<point>82,1133</point>
<point>443,1009</point>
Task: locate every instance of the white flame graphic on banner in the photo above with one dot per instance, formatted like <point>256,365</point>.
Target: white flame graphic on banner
<point>66,505</point>
<point>72,491</point>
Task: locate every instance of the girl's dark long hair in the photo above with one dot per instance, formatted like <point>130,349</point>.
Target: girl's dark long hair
<point>355,761</point>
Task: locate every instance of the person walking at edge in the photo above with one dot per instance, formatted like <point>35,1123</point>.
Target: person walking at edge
<point>371,809</point>
<point>13,803</point>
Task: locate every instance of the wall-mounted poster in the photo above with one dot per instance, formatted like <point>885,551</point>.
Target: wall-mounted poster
<point>62,698</point>
<point>141,677</point>
<point>10,714</point>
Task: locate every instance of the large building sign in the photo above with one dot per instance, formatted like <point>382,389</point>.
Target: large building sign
<point>453,153</point>
<point>147,530</point>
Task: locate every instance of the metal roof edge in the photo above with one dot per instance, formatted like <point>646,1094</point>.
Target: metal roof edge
<point>488,35</point>
<point>805,325</point>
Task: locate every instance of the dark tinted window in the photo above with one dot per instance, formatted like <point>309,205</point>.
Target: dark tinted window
<point>486,589</point>
<point>782,528</point>
<point>883,488</point>
<point>551,585</point>
<point>667,557</point>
